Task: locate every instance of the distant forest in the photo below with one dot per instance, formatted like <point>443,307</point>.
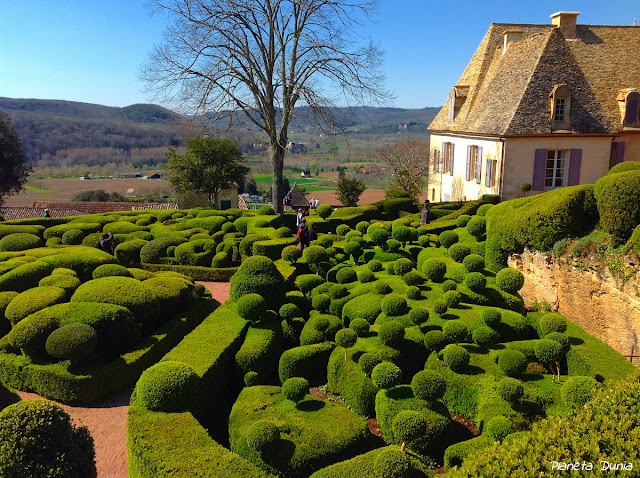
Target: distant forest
<point>65,138</point>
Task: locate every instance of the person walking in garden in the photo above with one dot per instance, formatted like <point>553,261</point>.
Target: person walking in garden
<point>106,242</point>
<point>424,216</point>
<point>303,234</point>
<point>299,217</point>
<point>312,233</point>
<point>287,198</point>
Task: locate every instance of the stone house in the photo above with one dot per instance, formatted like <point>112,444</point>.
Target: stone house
<point>552,105</point>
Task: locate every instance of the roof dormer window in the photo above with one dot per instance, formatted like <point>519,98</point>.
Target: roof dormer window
<point>632,110</point>
<point>560,108</point>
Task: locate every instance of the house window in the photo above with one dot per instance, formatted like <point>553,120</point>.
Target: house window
<point>490,176</point>
<point>632,110</point>
<point>555,170</point>
<point>560,98</point>
<point>447,158</point>
<point>560,112</point>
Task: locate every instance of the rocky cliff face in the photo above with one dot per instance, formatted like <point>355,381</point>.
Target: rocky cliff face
<point>588,295</point>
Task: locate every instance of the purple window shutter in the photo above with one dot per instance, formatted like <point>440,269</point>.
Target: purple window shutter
<point>451,151</point>
<point>468,170</point>
<point>479,165</point>
<point>574,167</point>
<point>539,169</point>
<point>620,153</point>
<point>487,176</point>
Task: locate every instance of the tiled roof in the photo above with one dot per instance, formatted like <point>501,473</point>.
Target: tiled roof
<point>297,198</point>
<point>11,213</point>
<point>242,204</point>
<point>509,94</point>
<point>97,207</point>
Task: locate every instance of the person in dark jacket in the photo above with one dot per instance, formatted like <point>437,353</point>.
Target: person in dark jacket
<point>303,234</point>
<point>312,233</point>
<point>424,217</point>
<point>47,213</point>
<point>106,242</point>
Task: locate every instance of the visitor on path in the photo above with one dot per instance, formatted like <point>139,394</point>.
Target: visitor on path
<point>424,217</point>
<point>47,213</point>
<point>299,217</point>
<point>287,198</point>
<point>106,242</point>
<point>303,234</point>
<point>312,203</point>
<point>312,233</point>
<point>317,203</point>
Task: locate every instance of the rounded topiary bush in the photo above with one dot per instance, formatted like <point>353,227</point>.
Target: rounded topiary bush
<point>307,282</point>
<point>353,236</point>
<point>393,245</point>
<point>410,425</point>
<point>459,251</point>
<point>394,305</point>
<point>251,379</point>
<point>259,275</point>
<point>353,248</point>
<point>262,434</point>
<point>474,263</point>
<point>462,220</point>
<point>512,362</point>
<point>485,336</point>
<point>20,241</point>
<point>379,236</point>
<point>33,300</point>
<point>402,234</point>
<point>510,389</point>
<point>561,338</point>
<point>402,266</point>
<point>73,237</point>
<point>368,361</point>
<point>283,232</point>
<point>475,281</point>
<point>452,298</point>
<point>295,389</point>
<point>477,226</point>
<point>315,255</point>
<point>346,338</point>
<point>391,462</point>
<point>291,254</point>
<point>435,340</point>
<point>75,342</point>
<point>129,252</point>
<point>551,322</point>
<point>321,303</point>
<point>419,315</point>
<point>386,375</point>
<point>366,276</point>
<point>289,311</point>
<point>499,427</point>
<point>30,335</point>
<point>482,210</point>
<point>434,269</point>
<point>391,333</point>
<point>108,270</point>
<point>382,288</point>
<point>456,357</point>
<point>510,280</point>
<point>338,291</point>
<point>266,211</point>
<point>324,211</point>
<point>342,229</point>
<point>346,275</point>
<point>455,331</point>
<point>360,327</point>
<point>618,200</point>
<point>168,386</point>
<point>38,439</point>
<point>413,278</point>
<point>424,240</point>
<point>388,267</point>
<point>440,307</point>
<point>448,238</point>
<point>449,285</point>
<point>491,317</point>
<point>428,385</point>
<point>362,227</point>
<point>153,250</point>
<point>577,391</point>
<point>548,351</point>
<point>374,265</point>
<point>413,293</point>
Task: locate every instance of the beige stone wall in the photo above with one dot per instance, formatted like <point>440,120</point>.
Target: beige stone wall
<point>631,146</point>
<point>591,298</point>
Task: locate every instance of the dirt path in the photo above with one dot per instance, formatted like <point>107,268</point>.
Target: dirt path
<point>107,419</point>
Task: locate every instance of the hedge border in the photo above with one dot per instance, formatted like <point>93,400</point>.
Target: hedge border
<point>206,274</point>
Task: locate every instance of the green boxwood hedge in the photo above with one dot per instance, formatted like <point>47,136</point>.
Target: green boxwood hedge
<point>307,361</point>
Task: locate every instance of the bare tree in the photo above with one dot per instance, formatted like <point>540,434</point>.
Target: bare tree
<point>409,163</point>
<point>254,61</point>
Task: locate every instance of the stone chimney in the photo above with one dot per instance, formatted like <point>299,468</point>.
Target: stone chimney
<point>510,35</point>
<point>566,22</point>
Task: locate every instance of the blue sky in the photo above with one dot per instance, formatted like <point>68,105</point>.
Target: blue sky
<point>91,50</point>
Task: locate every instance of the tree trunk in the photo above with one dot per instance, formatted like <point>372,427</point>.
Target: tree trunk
<point>276,152</point>
<point>558,368</point>
<point>403,446</point>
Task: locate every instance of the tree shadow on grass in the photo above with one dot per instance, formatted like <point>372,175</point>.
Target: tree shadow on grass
<point>576,341</point>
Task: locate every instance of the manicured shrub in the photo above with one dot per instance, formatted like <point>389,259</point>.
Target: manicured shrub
<point>315,255</point>
<point>262,434</point>
<point>482,210</point>
<point>512,362</point>
<point>499,427</point>
<point>221,260</point>
<point>251,307</point>
<point>30,335</point>
<point>419,315</point>
<point>321,303</point>
<point>428,385</point>
<point>129,252</point>
<point>283,232</point>
<point>551,322</point>
<point>393,245</point>
<point>402,266</point>
<point>75,342</point>
<point>548,352</point>
<point>475,281</point>
<point>153,251</point>
<point>195,252</point>
<point>394,305</point>
<point>491,318</point>
<point>289,311</point>
<point>474,263</point>
<point>337,291</point>
<point>448,238</point>
<point>20,242</point>
<point>251,379</point>
<point>324,211</point>
<point>295,389</point>
<point>410,425</point>
<point>391,333</point>
<point>382,288</point>
<point>259,275</point>
<point>366,276</point>
<point>33,300</point>
<point>307,282</point>
<point>346,275</point>
<point>368,361</point>
<point>435,340</point>
<point>379,236</point>
<point>477,226</point>
<point>510,280</point>
<point>413,293</point>
<point>459,251</point>
<point>108,270</point>
<point>452,298</point>
<point>561,338</point>
<point>342,229</point>
<point>461,221</point>
<point>362,227</point>
<point>353,249</point>
<point>66,282</point>
<point>577,391</point>
<point>374,265</point>
<point>391,463</point>
<point>455,331</point>
<point>440,307</point>
<point>388,267</point>
<point>456,357</point>
<point>402,234</point>
<point>449,285</point>
<point>38,439</point>
<point>346,338</point>
<point>360,327</point>
<point>434,269</point>
<point>386,375</point>
<point>485,336</point>
<point>168,386</point>
<point>510,389</point>
<point>618,200</point>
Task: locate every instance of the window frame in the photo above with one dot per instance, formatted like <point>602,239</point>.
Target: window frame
<point>560,93</point>
<point>555,169</point>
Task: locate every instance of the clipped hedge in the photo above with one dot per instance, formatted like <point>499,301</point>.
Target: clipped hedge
<point>307,361</point>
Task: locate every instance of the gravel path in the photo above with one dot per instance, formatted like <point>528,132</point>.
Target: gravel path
<point>107,419</point>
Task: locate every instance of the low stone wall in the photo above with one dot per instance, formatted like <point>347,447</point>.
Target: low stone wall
<point>588,295</point>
